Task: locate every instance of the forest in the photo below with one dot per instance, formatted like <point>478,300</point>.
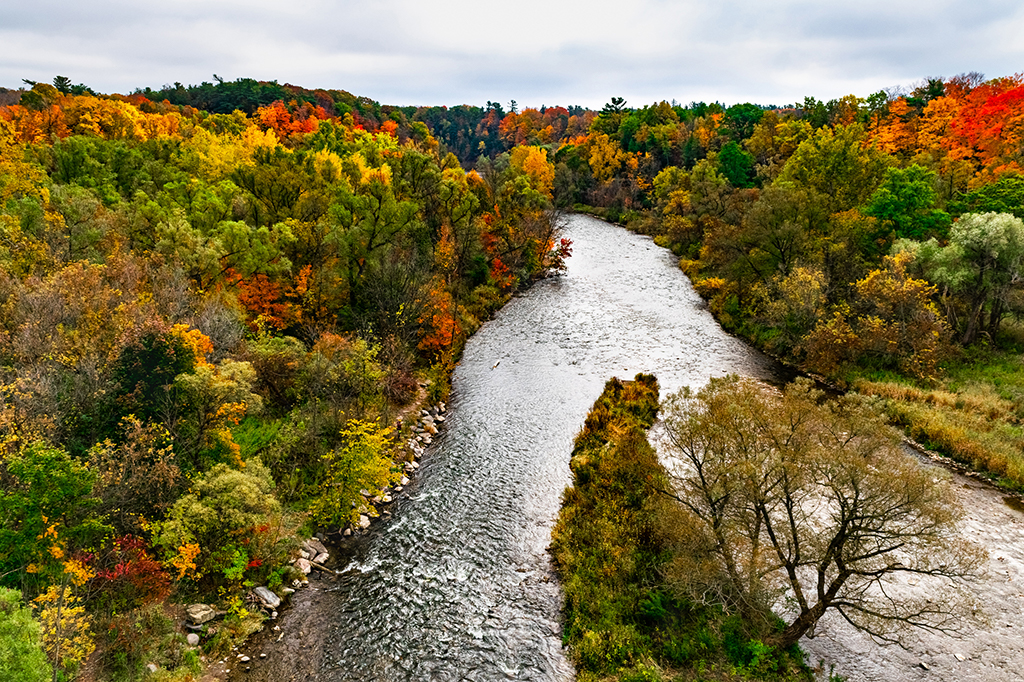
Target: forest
<point>219,298</point>
<point>210,323</point>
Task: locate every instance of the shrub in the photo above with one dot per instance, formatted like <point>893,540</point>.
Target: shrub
<point>22,658</point>
<point>223,513</point>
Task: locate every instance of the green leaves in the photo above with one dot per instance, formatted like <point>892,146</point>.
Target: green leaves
<point>363,461</point>
<point>46,503</point>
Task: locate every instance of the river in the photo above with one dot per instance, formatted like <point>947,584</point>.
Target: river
<point>458,585</point>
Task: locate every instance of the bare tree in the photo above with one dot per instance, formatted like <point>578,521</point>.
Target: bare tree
<point>809,505</point>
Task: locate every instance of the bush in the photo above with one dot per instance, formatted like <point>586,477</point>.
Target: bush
<point>21,651</point>
<point>228,511</point>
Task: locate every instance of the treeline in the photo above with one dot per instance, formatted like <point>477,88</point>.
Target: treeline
<point>209,322</point>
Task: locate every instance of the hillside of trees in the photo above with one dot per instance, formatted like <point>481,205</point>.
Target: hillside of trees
<point>876,242</point>
<point>211,315</point>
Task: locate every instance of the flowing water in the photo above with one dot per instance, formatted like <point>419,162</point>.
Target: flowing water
<point>459,586</point>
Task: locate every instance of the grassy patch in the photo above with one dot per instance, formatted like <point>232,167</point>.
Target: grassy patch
<point>973,415</point>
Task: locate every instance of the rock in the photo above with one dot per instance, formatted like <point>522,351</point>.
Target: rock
<point>960,657</point>
<point>404,481</point>
<point>200,613</point>
<point>399,489</point>
<point>364,522</point>
<point>317,545</point>
<point>348,531</point>
<point>415,465</point>
<point>431,429</point>
<point>923,665</point>
<point>151,667</point>
<point>304,566</point>
<point>263,655</point>
<point>192,639</point>
<point>322,558</point>
<point>304,554</point>
<point>439,418</point>
<point>245,659</point>
<point>364,492</point>
<point>273,615</point>
<point>319,537</point>
<point>386,499</point>
<point>287,591</point>
<point>267,596</point>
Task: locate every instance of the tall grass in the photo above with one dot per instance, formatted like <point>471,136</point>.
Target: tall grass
<point>976,424</point>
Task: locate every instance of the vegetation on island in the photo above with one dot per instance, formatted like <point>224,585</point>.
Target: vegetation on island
<point>874,241</point>
<point>776,508</point>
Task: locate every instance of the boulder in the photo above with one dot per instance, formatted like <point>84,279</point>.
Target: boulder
<point>322,558</point>
<point>364,522</point>
<point>304,566</point>
<point>405,481</point>
<point>200,613</point>
<point>267,596</point>
<point>192,639</point>
<point>315,544</point>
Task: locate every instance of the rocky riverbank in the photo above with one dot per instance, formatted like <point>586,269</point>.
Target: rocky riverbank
<point>290,644</point>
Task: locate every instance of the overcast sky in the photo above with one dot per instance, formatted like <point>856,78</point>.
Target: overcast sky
<point>537,52</point>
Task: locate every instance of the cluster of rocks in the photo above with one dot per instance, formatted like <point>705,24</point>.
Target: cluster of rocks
<point>312,554</point>
<point>422,432</point>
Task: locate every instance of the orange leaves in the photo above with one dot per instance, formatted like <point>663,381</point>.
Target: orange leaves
<point>198,342</point>
<point>261,297</point>
<point>185,560</point>
<point>983,125</point>
<point>440,328</point>
<point>533,162</point>
<point>291,120</point>
<point>895,134</point>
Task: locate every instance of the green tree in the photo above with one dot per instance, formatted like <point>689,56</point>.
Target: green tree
<point>1005,195</point>
<point>905,204</point>
<point>221,515</point>
<point>46,510</point>
<point>835,163</point>
<point>736,165</point>
<point>980,264</point>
